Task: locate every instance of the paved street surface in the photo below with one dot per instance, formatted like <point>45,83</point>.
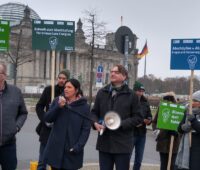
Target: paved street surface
<point>28,147</point>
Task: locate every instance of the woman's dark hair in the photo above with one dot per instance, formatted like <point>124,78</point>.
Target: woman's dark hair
<point>76,85</point>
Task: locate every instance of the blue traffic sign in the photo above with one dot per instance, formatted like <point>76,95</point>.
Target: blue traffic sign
<point>100,69</point>
<point>185,54</point>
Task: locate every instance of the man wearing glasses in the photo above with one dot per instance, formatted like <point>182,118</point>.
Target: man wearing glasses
<point>115,146</point>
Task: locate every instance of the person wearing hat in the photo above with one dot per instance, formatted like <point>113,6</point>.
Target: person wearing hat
<point>163,138</point>
<point>43,129</point>
<point>191,123</point>
<point>140,132</point>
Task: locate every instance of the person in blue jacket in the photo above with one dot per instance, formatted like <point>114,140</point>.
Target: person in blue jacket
<point>65,146</point>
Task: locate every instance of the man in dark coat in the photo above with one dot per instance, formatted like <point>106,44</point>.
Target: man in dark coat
<point>140,132</point>
<point>13,114</point>
<point>115,146</point>
<point>43,129</point>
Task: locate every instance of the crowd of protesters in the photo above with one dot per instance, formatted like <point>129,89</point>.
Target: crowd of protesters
<point>66,120</point>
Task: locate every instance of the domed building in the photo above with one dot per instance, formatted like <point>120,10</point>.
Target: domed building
<point>14,12</point>
<point>32,68</point>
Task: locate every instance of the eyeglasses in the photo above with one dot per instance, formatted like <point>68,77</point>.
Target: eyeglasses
<point>116,72</point>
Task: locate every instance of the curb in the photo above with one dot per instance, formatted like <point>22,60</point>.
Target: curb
<point>145,166</point>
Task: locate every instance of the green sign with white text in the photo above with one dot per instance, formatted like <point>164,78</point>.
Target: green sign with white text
<point>170,115</point>
<point>4,35</point>
<point>53,35</point>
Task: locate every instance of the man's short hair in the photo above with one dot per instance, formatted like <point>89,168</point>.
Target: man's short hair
<point>122,70</point>
<point>66,73</point>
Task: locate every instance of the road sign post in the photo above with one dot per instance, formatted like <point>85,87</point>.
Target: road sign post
<point>99,76</point>
<point>124,40</point>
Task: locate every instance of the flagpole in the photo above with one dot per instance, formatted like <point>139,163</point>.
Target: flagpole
<point>145,66</point>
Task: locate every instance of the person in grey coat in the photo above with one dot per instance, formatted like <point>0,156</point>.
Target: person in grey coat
<point>191,123</point>
<point>13,114</point>
<point>70,131</point>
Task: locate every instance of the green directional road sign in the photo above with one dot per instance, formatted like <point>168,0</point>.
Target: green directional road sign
<point>53,35</point>
<point>4,35</point>
<point>170,115</point>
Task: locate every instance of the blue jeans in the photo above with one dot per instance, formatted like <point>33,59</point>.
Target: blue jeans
<point>107,161</point>
<point>8,157</point>
<point>139,145</point>
<point>41,165</point>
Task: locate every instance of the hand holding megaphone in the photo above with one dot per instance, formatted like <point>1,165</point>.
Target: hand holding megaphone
<point>99,127</point>
<point>111,121</point>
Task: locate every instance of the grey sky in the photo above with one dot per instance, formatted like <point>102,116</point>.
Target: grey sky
<point>157,21</point>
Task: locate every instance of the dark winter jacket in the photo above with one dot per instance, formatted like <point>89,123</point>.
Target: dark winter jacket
<point>146,111</point>
<point>127,105</point>
<point>70,130</point>
<point>41,107</point>
<point>13,113</point>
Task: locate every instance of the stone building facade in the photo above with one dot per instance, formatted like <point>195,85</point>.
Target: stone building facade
<point>35,67</point>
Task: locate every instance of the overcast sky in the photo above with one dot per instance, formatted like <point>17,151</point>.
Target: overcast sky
<point>157,21</point>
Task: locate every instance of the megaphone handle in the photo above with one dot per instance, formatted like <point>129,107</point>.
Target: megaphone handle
<point>101,132</point>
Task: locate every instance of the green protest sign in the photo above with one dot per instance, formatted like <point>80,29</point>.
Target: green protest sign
<point>53,35</point>
<point>4,35</point>
<point>170,115</point>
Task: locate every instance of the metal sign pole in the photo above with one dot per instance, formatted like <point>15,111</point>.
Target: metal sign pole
<point>126,44</point>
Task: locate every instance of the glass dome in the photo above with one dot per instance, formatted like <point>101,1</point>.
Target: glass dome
<point>14,12</point>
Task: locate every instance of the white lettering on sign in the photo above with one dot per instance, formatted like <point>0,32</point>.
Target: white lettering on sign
<point>2,41</point>
<point>48,22</point>
<point>37,22</point>
<point>2,29</point>
<point>60,23</point>
<point>187,41</point>
<point>70,23</point>
<point>176,41</point>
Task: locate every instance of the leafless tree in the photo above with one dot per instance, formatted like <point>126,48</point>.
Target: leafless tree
<point>95,34</point>
<point>20,52</point>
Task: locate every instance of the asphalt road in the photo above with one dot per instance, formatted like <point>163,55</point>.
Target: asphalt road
<point>28,146</point>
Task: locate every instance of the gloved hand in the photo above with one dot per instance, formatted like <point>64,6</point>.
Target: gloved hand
<point>190,117</point>
<point>186,127</point>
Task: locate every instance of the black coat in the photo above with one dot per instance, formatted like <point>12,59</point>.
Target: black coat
<point>146,111</point>
<point>70,130</point>
<point>42,106</point>
<point>127,105</point>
